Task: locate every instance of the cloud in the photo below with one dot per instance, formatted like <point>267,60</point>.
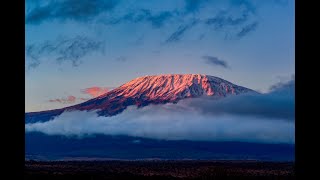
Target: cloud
<point>232,20</point>
<point>121,59</point>
<point>83,10</point>
<point>246,29</point>
<point>223,19</point>
<point>157,20</point>
<point>271,106</point>
<point>237,20</point>
<point>161,123</point>
<point>284,86</point>
<point>247,5</point>
<point>193,5</point>
<point>160,19</point>
<point>91,91</point>
<point>68,100</point>
<point>279,103</point>
<point>95,91</point>
<point>248,118</point>
<point>178,34</point>
<point>215,61</point>
<point>281,2</point>
<point>63,49</point>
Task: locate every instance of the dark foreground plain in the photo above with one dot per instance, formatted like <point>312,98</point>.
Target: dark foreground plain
<point>154,169</point>
<point>42,147</point>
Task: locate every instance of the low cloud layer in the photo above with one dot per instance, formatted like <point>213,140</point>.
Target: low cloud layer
<point>62,49</point>
<point>211,60</point>
<point>250,118</point>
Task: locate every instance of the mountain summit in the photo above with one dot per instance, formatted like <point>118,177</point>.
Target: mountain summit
<point>173,87</point>
<point>145,90</point>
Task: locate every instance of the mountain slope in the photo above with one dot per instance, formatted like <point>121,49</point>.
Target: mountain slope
<point>142,91</point>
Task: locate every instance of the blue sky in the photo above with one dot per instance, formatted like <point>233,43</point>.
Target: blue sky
<point>74,45</point>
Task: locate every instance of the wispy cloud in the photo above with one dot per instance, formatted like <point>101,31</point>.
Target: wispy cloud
<point>95,91</point>
<point>178,34</point>
<point>67,100</point>
<point>62,10</point>
<point>91,91</point>
<point>246,29</point>
<point>157,20</point>
<point>63,49</point>
<point>222,20</point>
<point>192,6</point>
<point>237,20</point>
<point>121,58</point>
<point>215,61</point>
<point>247,5</point>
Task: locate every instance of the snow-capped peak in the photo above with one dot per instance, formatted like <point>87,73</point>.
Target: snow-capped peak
<point>173,87</point>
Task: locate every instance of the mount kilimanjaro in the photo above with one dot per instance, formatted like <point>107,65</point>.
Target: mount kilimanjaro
<point>140,92</point>
<point>145,90</point>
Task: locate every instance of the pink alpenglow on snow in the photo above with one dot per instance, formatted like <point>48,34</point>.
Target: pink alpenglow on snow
<point>173,87</point>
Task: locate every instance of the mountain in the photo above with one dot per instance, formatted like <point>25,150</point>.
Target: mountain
<point>155,89</point>
<point>141,92</point>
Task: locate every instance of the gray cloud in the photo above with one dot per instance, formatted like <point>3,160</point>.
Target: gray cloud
<point>231,119</point>
<point>67,100</point>
<point>83,10</point>
<point>235,21</point>
<point>121,58</point>
<point>215,61</point>
<point>247,5</point>
<point>284,85</point>
<point>235,25</point>
<point>178,34</point>
<point>246,29</point>
<point>157,20</point>
<point>279,103</point>
<point>222,20</point>
<point>63,49</point>
<point>193,5</point>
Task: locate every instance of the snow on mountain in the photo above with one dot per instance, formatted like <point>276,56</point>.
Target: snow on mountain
<point>155,89</point>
